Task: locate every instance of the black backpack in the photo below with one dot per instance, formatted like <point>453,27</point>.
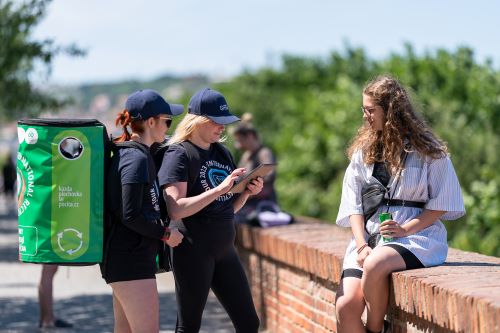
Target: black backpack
<point>113,214</point>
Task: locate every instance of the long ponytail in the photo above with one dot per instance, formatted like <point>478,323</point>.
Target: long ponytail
<point>124,120</point>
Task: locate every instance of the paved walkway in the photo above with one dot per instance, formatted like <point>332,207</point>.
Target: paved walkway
<point>81,296</point>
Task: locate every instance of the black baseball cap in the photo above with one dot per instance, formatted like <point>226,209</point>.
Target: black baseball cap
<point>213,105</point>
<point>147,103</point>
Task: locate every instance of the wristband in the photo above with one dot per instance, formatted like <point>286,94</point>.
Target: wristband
<point>362,247</point>
<point>166,235</point>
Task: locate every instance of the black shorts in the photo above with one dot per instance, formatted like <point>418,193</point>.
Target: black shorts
<point>409,258</point>
<point>128,267</point>
<point>129,257</point>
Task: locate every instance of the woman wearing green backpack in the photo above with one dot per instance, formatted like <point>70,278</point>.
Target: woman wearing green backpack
<point>133,240</point>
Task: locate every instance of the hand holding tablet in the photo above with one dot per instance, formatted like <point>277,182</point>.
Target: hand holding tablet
<point>260,171</point>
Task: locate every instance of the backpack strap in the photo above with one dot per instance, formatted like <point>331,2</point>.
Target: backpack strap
<point>255,157</point>
<point>193,156</point>
<point>225,152</point>
<point>131,144</point>
<point>113,184</point>
<point>141,147</point>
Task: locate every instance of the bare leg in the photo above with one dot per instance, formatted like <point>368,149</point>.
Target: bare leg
<point>349,306</point>
<point>378,266</point>
<point>121,322</point>
<point>45,297</point>
<point>139,304</point>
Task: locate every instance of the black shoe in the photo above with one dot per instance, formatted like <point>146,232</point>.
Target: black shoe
<point>62,324</point>
<point>58,323</point>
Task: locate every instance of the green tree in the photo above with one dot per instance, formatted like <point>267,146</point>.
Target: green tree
<point>308,110</point>
<point>19,56</point>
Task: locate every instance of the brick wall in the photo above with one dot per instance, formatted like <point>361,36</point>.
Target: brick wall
<point>294,272</point>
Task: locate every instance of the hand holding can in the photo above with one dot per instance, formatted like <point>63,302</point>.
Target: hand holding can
<point>384,217</point>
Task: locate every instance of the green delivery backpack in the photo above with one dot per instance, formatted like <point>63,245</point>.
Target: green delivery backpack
<point>61,165</point>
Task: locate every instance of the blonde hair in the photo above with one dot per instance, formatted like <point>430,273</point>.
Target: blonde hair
<point>401,122</point>
<point>186,128</point>
<point>245,127</point>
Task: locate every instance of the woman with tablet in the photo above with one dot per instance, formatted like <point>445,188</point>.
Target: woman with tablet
<point>196,176</point>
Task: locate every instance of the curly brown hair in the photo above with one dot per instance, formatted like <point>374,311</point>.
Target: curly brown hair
<point>401,123</point>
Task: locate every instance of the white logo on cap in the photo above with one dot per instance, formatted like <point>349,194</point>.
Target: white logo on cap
<point>224,107</point>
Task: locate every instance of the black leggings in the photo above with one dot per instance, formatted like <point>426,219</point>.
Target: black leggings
<point>201,265</point>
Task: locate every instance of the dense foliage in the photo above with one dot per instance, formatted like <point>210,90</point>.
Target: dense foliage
<point>21,56</point>
<point>309,109</point>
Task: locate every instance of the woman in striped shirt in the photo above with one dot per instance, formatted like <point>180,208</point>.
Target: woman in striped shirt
<point>396,148</point>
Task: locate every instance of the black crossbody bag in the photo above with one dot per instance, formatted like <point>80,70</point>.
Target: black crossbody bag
<point>373,196</point>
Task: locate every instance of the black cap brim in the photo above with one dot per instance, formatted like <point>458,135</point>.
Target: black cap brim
<point>176,109</point>
<point>224,120</point>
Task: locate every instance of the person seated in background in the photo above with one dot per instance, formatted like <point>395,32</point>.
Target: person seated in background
<point>248,141</point>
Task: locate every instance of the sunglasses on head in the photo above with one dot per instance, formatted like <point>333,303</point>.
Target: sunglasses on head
<point>168,121</point>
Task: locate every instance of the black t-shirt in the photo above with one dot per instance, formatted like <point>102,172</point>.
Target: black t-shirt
<point>133,242</point>
<point>214,167</point>
<point>134,168</point>
<point>135,172</point>
<point>381,173</point>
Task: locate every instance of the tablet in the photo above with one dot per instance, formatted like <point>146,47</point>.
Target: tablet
<point>261,171</point>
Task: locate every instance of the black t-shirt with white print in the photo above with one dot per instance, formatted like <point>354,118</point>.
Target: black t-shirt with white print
<point>214,168</point>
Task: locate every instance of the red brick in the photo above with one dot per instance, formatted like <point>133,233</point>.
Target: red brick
<point>294,270</point>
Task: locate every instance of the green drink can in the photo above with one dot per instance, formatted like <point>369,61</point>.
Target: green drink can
<point>384,217</point>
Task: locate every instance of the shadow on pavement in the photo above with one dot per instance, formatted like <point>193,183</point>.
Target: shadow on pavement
<point>88,313</point>
<point>94,313</point>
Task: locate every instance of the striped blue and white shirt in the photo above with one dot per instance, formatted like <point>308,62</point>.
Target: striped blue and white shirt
<point>432,181</point>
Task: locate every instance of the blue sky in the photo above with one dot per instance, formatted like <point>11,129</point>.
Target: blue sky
<point>143,39</point>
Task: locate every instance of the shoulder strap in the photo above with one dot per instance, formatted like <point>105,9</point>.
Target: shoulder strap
<point>225,152</point>
<point>255,156</point>
<point>194,163</point>
<point>141,147</point>
<point>158,151</point>
<point>398,177</point>
<point>131,144</point>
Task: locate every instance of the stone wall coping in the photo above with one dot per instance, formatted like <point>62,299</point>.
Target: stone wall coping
<point>463,294</point>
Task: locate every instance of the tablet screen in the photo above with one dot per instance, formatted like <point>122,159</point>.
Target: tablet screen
<point>261,171</point>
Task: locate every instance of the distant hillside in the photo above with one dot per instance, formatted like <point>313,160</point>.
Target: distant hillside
<point>103,101</point>
<point>173,87</point>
